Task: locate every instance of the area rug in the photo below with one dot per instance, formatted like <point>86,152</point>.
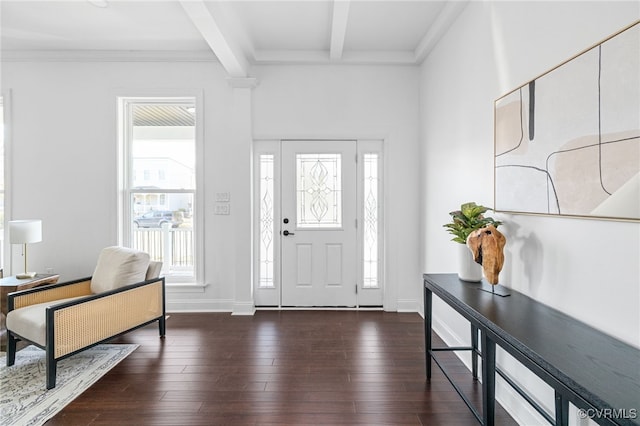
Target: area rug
<point>24,398</point>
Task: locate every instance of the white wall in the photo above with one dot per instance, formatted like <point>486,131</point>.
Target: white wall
<point>363,103</point>
<point>64,156</point>
<point>589,269</point>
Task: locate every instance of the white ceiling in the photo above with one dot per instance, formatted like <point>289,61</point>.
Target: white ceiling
<point>239,33</point>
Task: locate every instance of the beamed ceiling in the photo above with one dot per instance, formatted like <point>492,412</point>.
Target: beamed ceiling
<point>238,33</point>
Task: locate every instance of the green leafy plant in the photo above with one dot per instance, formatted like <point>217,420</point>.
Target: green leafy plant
<point>466,220</point>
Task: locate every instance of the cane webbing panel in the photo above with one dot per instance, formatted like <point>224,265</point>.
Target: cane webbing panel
<point>82,288</point>
<point>81,325</point>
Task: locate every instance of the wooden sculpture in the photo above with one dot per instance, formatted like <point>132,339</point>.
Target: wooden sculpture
<point>487,246</point>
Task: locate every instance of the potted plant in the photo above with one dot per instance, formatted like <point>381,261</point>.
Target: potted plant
<point>466,220</point>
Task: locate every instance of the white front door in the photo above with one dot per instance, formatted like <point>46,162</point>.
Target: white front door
<point>319,264</point>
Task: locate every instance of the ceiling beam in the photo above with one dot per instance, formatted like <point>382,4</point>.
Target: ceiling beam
<point>441,25</point>
<point>339,28</point>
<point>221,42</point>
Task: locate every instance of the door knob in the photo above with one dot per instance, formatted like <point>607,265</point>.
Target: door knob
<point>286,233</point>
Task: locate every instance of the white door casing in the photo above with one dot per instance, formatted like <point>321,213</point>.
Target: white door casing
<point>326,258</point>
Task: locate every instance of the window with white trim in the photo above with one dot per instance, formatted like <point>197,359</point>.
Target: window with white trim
<point>159,182</point>
<point>1,182</point>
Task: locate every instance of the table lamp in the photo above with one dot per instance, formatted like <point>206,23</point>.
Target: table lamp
<point>25,232</point>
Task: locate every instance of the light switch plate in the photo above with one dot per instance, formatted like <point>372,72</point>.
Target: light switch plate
<point>223,197</point>
<point>222,209</point>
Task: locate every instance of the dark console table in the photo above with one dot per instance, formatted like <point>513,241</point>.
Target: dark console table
<point>594,371</point>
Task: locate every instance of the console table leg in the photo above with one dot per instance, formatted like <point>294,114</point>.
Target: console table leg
<point>474,351</point>
<point>562,410</point>
<point>427,330</point>
<point>488,380</point>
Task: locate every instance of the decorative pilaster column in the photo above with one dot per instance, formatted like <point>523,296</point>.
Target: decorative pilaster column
<point>242,142</point>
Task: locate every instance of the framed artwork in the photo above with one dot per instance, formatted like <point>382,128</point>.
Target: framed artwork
<point>568,142</point>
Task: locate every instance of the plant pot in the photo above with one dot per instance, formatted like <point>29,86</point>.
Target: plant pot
<point>468,269</point>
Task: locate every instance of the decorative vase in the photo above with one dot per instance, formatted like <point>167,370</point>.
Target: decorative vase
<point>468,269</point>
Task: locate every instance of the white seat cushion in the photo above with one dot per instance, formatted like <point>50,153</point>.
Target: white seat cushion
<point>118,267</point>
<point>30,321</point>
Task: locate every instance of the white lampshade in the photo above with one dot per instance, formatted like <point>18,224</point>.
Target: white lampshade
<point>25,231</point>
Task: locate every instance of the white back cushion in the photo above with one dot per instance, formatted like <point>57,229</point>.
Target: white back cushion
<point>154,270</point>
<point>118,267</point>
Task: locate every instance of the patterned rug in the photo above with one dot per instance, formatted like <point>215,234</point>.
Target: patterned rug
<point>24,398</point>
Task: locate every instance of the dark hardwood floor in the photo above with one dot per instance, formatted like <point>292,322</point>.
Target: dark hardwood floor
<point>289,367</point>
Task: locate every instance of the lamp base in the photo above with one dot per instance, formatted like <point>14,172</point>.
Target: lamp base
<point>26,275</point>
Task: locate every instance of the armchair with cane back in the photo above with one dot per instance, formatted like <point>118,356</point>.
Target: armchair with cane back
<point>125,292</point>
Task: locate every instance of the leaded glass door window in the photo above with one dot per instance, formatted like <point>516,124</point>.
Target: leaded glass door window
<point>319,190</point>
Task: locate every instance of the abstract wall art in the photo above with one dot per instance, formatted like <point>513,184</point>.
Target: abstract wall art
<point>568,142</point>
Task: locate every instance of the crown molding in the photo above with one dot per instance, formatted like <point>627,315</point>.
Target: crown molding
<point>243,82</point>
<point>260,57</point>
<point>107,56</point>
<point>322,57</point>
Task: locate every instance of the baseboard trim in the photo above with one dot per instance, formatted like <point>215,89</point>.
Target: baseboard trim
<point>243,308</point>
<point>201,305</point>
<point>409,305</point>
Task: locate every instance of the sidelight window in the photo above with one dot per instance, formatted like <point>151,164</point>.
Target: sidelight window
<point>371,221</point>
<point>266,256</point>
